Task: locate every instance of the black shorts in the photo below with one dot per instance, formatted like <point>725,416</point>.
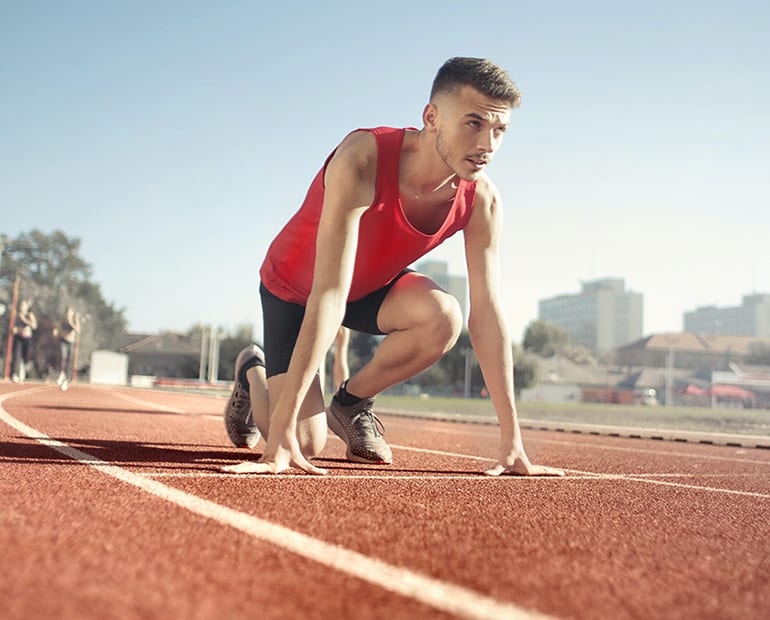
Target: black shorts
<point>282,320</point>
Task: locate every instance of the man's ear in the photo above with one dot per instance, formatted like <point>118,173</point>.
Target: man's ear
<point>430,117</point>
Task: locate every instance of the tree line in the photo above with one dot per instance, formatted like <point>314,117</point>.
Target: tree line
<point>52,276</point>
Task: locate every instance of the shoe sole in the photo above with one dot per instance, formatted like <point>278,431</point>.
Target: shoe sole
<point>240,440</point>
<point>339,430</point>
<point>236,437</point>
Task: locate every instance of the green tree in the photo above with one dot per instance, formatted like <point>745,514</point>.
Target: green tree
<point>544,338</point>
<point>361,350</point>
<point>524,371</point>
<point>51,261</point>
<point>53,276</point>
<point>229,348</point>
<point>454,365</point>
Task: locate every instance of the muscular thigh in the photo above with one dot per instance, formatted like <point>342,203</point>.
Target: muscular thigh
<point>413,300</point>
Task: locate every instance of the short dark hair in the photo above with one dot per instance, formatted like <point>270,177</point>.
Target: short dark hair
<point>479,73</point>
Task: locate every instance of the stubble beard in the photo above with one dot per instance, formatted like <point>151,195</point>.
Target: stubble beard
<point>443,153</point>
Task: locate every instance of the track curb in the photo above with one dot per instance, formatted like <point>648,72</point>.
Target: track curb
<point>604,430</point>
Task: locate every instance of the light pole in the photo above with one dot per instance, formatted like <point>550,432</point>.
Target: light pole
<point>204,353</point>
<point>12,320</point>
<point>216,336</point>
<point>669,378</point>
<point>3,307</point>
<point>467,353</point>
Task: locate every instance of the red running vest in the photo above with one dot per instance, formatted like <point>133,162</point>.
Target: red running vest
<point>387,242</point>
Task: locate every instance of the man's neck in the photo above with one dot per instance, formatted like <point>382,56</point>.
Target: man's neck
<point>422,173</point>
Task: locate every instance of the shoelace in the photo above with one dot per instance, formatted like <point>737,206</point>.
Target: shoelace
<point>375,422</point>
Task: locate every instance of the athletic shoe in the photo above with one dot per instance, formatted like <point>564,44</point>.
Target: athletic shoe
<point>239,419</point>
<point>359,428</point>
<point>61,379</point>
<point>64,385</point>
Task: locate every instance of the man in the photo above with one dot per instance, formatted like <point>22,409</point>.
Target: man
<point>384,198</point>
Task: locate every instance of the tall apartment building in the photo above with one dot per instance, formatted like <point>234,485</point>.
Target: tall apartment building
<point>457,286</point>
<point>602,317</point>
<point>751,318</point>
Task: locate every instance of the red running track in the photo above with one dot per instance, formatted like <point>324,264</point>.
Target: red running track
<point>113,507</point>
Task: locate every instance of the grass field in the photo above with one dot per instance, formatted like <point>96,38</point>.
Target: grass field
<point>730,421</point>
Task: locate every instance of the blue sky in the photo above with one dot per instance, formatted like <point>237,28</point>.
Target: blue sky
<point>176,138</point>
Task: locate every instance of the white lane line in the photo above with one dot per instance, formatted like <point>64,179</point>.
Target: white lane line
<point>401,477</point>
<point>686,475</point>
<point>684,455</point>
<point>363,476</point>
<point>630,478</point>
<point>578,475</point>
<point>697,487</point>
<point>159,407</point>
<point>591,446</point>
<point>146,403</point>
<point>442,453</point>
<point>681,485</point>
<point>441,595</point>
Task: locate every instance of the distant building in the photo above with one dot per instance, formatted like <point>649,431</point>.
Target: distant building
<point>162,355</point>
<point>752,318</point>
<point>457,286</point>
<point>697,369</point>
<point>602,317</point>
<point>694,351</point>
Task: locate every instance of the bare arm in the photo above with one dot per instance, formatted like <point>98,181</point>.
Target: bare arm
<point>349,183</point>
<point>488,331</point>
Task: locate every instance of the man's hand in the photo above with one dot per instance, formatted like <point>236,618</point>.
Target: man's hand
<point>515,462</point>
<point>277,459</point>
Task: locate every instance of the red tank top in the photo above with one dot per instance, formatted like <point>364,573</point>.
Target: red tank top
<point>387,242</point>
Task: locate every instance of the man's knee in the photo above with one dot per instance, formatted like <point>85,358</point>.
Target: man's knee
<point>446,324</point>
<point>417,303</point>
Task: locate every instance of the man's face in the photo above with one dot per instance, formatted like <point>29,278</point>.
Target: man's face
<point>469,129</point>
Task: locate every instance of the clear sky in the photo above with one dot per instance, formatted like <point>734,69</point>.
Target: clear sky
<point>176,138</point>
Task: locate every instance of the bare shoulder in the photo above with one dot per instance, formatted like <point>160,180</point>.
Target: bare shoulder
<point>360,141</point>
<point>487,195</point>
<point>352,171</point>
<point>357,151</point>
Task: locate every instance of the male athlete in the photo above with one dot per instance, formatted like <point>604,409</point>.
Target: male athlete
<point>384,198</point>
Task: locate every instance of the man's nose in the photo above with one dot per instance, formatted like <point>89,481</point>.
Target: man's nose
<point>487,142</point>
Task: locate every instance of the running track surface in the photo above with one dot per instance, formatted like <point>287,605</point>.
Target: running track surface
<point>113,507</point>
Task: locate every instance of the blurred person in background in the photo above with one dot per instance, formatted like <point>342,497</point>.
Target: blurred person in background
<point>67,333</point>
<point>23,329</point>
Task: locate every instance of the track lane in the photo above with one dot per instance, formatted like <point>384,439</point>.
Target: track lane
<point>525,546</point>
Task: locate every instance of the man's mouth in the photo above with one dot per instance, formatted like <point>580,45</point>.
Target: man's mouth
<point>477,162</point>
